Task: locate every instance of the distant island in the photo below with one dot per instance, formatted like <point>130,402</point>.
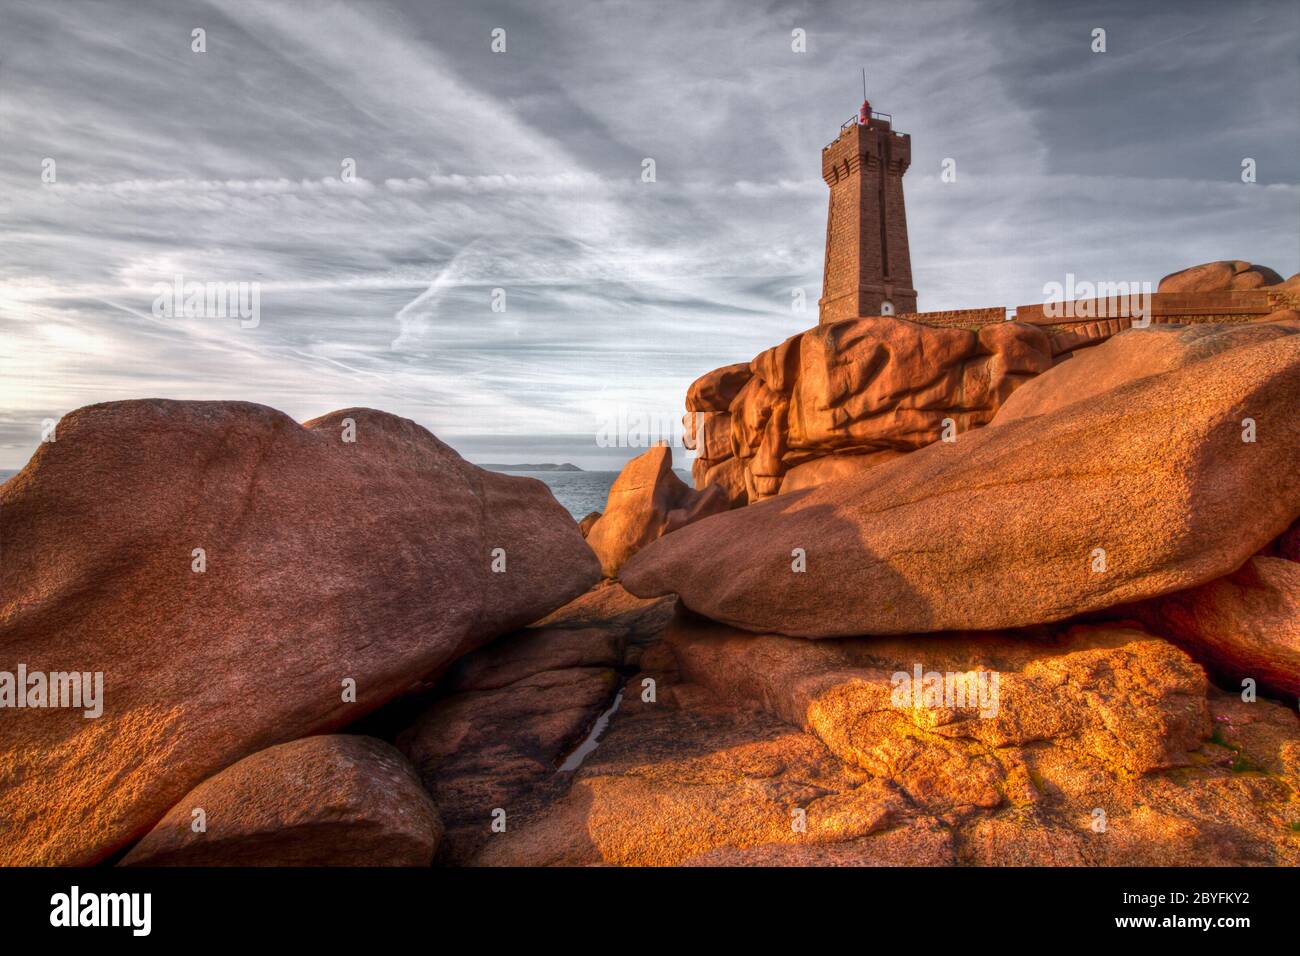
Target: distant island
<point>550,466</point>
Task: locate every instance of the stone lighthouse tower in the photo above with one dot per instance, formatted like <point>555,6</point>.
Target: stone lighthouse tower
<point>868,268</point>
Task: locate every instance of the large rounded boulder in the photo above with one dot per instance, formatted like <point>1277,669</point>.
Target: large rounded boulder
<point>237,580</point>
<point>1155,486</point>
<point>334,800</point>
<point>1224,276</point>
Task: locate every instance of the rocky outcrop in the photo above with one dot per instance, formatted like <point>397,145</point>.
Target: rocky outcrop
<point>728,474</point>
<point>670,785</point>
<point>1222,276</point>
<point>1106,747</point>
<point>1145,490</point>
<point>647,501</point>
<point>860,391</point>
<point>1123,535</point>
<point>510,714</point>
<point>241,580</point>
<point>709,435</point>
<point>708,431</point>
<point>818,471</point>
<point>1244,625</point>
<point>321,801</point>
<point>1129,356</point>
<point>1129,701</point>
<point>715,391</point>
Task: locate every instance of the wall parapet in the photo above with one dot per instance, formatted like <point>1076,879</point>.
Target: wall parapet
<point>1237,305</point>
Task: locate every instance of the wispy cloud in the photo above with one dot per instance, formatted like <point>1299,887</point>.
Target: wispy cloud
<point>521,171</point>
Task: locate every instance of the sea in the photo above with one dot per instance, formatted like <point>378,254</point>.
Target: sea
<point>582,492</point>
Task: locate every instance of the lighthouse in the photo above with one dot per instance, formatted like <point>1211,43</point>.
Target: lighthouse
<point>868,267</point>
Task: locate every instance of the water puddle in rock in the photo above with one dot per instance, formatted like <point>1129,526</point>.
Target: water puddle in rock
<point>575,759</point>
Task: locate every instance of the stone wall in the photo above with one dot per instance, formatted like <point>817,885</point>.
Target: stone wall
<point>957,318</point>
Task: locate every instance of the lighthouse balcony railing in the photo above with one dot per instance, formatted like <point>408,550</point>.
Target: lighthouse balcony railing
<point>886,118</point>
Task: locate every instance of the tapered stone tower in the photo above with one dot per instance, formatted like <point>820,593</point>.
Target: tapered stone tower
<point>868,267</point>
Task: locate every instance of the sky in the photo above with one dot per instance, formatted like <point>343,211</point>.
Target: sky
<point>466,238</point>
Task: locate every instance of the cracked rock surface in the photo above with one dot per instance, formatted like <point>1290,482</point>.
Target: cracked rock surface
<point>1109,747</point>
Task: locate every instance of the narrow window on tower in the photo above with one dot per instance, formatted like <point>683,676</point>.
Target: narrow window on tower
<point>884,239</point>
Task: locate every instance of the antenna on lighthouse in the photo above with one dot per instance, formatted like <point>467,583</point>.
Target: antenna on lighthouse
<point>864,82</point>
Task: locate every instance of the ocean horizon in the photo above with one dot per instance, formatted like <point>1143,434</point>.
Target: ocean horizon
<point>581,492</point>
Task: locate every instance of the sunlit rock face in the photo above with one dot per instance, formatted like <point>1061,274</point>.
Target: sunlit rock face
<point>241,580</point>
<point>647,501</point>
<point>1098,745</point>
<point>1222,276</point>
<point>862,391</point>
<point>983,606</point>
<point>850,394</point>
<point>1132,355</point>
<point>1147,489</point>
